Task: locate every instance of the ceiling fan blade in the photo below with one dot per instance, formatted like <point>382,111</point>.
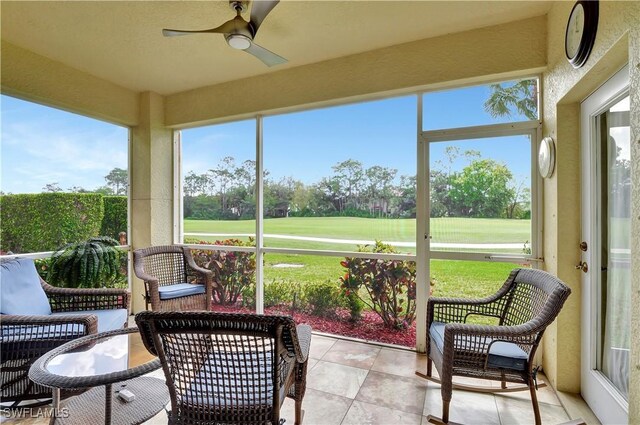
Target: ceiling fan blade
<point>266,56</point>
<point>225,28</point>
<point>259,10</point>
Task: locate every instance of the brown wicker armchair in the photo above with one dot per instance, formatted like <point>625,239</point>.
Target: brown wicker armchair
<point>71,313</point>
<point>172,280</point>
<point>527,303</point>
<point>227,368</point>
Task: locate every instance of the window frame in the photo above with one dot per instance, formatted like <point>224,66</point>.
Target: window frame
<point>423,254</point>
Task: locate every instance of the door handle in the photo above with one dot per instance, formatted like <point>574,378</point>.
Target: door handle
<point>582,266</point>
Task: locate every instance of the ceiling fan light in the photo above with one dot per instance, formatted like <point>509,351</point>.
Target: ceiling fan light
<point>239,41</point>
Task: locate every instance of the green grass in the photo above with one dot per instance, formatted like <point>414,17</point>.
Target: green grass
<point>453,230</point>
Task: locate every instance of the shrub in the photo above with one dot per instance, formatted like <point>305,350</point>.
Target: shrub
<point>354,304</point>
<point>233,271</point>
<point>46,221</point>
<point>114,220</point>
<point>276,292</point>
<point>390,285</point>
<point>322,297</point>
<point>95,263</point>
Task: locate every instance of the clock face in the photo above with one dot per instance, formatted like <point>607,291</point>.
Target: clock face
<point>575,29</point>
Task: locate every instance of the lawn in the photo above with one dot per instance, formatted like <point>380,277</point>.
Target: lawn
<point>443,230</point>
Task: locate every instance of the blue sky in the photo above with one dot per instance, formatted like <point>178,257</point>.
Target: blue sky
<point>42,145</point>
<point>305,145</point>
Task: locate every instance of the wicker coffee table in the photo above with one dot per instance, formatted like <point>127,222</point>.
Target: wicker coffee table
<point>107,363</point>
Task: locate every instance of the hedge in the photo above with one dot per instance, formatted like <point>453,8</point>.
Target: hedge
<point>46,221</point>
<point>115,216</point>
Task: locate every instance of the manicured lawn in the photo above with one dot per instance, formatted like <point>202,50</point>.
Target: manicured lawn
<point>450,230</point>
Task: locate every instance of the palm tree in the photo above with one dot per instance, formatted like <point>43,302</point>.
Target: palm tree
<point>521,96</point>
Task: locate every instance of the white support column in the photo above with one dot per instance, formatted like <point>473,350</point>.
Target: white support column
<point>422,236</point>
<point>259,218</point>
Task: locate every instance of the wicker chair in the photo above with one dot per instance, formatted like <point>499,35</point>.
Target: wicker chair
<point>527,303</point>
<point>172,280</point>
<point>227,368</point>
<point>71,313</point>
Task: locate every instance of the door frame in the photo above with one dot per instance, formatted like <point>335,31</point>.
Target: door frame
<point>601,396</point>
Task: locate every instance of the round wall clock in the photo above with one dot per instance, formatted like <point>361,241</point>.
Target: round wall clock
<point>581,32</point>
<point>546,157</point>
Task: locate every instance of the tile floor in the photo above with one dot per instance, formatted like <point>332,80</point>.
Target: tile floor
<point>355,383</point>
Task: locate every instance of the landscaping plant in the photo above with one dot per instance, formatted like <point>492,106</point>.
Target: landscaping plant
<point>389,284</point>
<point>322,297</point>
<point>233,271</point>
<point>95,263</point>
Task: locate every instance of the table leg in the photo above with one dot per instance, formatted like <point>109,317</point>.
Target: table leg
<point>55,403</point>
<point>107,404</point>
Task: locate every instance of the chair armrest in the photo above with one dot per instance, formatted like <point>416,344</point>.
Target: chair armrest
<point>205,273</point>
<point>456,310</point>
<point>81,299</point>
<point>304,341</point>
<point>48,327</point>
<point>455,333</point>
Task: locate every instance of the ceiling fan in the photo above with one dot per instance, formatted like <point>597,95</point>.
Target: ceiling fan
<point>240,33</point>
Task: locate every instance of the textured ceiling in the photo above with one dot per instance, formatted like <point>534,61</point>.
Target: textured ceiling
<point>121,41</point>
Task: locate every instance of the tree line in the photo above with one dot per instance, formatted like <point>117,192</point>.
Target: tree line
<point>482,188</point>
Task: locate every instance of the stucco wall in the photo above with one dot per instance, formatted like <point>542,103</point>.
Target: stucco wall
<point>33,77</point>
<point>618,41</point>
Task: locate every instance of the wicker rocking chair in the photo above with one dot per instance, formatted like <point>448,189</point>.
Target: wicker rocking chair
<point>172,280</point>
<point>527,303</point>
<point>226,368</point>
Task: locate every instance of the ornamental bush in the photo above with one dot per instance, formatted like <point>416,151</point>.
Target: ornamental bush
<point>233,271</point>
<point>45,221</point>
<point>389,284</point>
<point>322,297</point>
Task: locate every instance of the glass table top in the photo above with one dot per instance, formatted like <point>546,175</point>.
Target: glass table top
<point>116,353</point>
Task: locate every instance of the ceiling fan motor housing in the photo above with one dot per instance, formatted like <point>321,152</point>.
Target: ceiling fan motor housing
<point>239,5</point>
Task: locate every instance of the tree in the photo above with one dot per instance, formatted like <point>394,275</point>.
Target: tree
<point>118,180</point>
<point>195,184</point>
<point>52,187</point>
<point>379,188</point>
<point>104,190</point>
<point>349,176</point>
<point>77,189</point>
<point>481,190</point>
<point>505,99</point>
<point>223,176</point>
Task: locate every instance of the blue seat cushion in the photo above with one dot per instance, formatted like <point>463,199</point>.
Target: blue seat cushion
<point>179,290</point>
<point>108,320</point>
<point>502,354</point>
<point>21,292</point>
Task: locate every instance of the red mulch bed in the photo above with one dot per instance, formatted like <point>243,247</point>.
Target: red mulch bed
<point>369,328</point>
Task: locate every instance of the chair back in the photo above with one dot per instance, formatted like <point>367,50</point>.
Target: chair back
<point>533,295</point>
<point>222,367</point>
<point>165,263</point>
